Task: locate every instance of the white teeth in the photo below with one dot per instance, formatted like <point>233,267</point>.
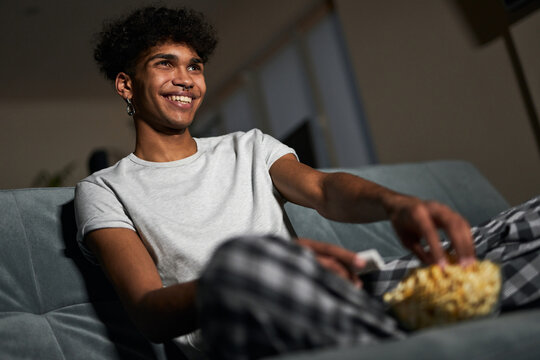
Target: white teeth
<point>182,99</point>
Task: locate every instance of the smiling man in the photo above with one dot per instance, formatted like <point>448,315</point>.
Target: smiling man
<point>192,231</point>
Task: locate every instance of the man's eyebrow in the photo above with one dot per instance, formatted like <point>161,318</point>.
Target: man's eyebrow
<point>163,56</point>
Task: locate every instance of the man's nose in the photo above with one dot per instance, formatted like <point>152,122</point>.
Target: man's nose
<point>183,79</point>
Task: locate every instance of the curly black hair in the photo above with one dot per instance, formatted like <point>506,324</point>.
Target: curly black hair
<point>121,42</point>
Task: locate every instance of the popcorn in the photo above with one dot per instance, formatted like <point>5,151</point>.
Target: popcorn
<point>434,296</point>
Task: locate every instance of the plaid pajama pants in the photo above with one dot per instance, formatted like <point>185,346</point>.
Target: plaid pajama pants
<point>261,296</point>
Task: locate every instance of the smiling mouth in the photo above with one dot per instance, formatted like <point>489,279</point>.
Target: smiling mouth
<point>180,98</point>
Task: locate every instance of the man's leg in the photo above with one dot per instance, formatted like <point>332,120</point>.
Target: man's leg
<point>512,239</point>
<point>264,295</point>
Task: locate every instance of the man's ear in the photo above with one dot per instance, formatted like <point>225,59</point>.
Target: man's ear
<point>124,85</point>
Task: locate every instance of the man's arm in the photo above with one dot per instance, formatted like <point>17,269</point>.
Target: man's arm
<point>159,312</point>
<point>348,198</point>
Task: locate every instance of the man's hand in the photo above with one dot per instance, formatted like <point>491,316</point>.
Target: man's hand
<point>414,220</point>
<point>341,261</point>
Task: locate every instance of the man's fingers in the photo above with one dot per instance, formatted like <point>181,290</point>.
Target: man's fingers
<point>458,231</point>
<point>428,231</point>
<point>434,242</point>
<point>334,266</point>
<point>421,220</point>
<point>344,256</point>
<point>420,252</point>
<point>340,261</point>
<point>338,268</point>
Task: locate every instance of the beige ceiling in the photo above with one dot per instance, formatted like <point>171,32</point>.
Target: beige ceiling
<point>47,45</point>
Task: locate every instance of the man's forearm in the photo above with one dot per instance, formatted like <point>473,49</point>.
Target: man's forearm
<point>167,312</point>
<point>159,312</point>
<point>351,199</point>
<point>348,198</point>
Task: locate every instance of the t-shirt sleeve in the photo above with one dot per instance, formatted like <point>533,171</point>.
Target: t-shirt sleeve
<point>97,207</point>
<point>274,149</point>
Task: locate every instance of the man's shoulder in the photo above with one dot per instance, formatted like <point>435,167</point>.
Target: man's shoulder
<point>107,174</point>
<point>237,139</point>
<point>232,136</point>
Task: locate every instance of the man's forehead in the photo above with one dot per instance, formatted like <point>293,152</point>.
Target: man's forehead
<point>169,49</point>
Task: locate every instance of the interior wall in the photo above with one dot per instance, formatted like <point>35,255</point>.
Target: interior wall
<point>430,92</point>
<point>45,137</point>
<point>525,35</point>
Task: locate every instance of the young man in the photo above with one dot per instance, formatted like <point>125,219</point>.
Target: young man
<point>155,219</point>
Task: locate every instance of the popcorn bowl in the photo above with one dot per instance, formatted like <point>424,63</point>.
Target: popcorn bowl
<point>431,295</point>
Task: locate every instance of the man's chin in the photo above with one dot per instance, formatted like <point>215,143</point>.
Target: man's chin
<point>180,123</point>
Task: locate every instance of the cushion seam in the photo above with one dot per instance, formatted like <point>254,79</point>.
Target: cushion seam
<point>442,186</point>
<point>36,188</point>
<point>27,243</point>
<point>55,338</point>
<point>62,307</point>
<point>79,304</point>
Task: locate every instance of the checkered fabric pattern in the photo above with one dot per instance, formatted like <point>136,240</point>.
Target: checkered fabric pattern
<point>261,296</point>
<point>264,295</point>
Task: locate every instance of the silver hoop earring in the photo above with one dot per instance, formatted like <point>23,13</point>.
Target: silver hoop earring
<point>130,109</point>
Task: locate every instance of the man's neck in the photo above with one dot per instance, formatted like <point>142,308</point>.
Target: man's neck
<point>158,147</point>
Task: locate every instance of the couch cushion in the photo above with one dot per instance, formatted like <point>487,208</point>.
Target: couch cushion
<point>17,279</point>
<point>27,336</point>
<point>53,303</point>
<point>43,267</point>
<point>511,336</point>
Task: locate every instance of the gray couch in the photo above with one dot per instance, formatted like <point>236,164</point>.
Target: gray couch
<point>55,305</point>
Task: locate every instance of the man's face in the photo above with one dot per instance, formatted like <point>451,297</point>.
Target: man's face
<point>168,87</point>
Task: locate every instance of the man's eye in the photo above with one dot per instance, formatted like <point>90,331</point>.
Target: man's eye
<point>164,63</point>
<point>194,67</point>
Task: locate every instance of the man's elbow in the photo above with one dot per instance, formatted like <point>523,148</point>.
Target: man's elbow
<point>156,338</point>
<point>155,332</point>
<point>160,327</point>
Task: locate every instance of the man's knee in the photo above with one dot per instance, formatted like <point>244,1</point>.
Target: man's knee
<point>228,293</point>
<point>237,260</point>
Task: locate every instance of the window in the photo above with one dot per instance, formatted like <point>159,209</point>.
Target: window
<point>305,88</point>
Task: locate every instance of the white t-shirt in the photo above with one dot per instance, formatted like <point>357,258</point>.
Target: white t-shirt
<point>182,210</point>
